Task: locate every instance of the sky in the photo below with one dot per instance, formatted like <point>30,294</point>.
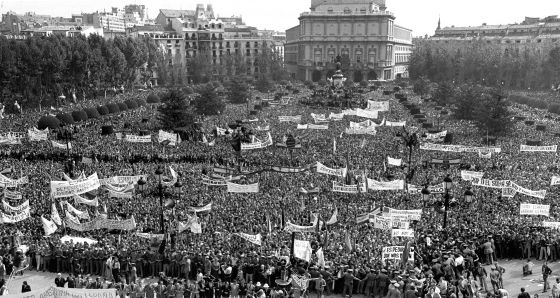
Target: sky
<point>419,15</point>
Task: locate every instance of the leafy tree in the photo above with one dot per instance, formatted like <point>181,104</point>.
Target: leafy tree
<point>175,111</point>
<point>263,84</point>
<point>200,67</point>
<point>444,93</point>
<point>238,91</point>
<point>491,114</point>
<point>422,86</point>
<point>208,102</point>
<point>466,97</point>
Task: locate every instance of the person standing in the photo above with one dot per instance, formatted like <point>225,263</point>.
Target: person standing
<point>116,270</point>
<point>320,286</point>
<point>348,283</point>
<point>25,287</point>
<point>556,289</point>
<point>546,271</point>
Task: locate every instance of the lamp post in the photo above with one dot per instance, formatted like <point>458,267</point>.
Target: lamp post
<point>469,195</point>
<point>448,185</point>
<point>426,194</point>
<point>159,173</point>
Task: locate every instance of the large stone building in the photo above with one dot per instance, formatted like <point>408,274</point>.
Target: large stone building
<point>360,34</point>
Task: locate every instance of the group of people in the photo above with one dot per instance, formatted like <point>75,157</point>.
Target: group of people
<point>217,262</point>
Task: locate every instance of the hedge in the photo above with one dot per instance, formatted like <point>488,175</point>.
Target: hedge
<point>113,108</point>
<point>102,110</point>
<point>153,98</point>
<point>122,106</point>
<point>141,102</point>
<point>531,102</point>
<point>131,104</point>
<point>65,119</point>
<point>48,122</point>
<point>79,116</point>
<point>92,113</point>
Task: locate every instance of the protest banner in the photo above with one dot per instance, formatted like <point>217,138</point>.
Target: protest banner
<point>302,250</point>
<point>387,223</point>
<point>332,172</point>
<point>213,182</point>
<point>555,180</point>
<point>394,161</point>
<point>262,128</point>
<point>534,209</point>
<point>361,131</point>
<point>242,188</point>
<point>102,223</point>
<point>255,239</point>
<point>257,145</point>
<point>158,237</point>
<point>508,184</point>
<point>508,192</point>
<point>553,225</point>
<point>56,292</point>
<point>201,209</point>
<point>295,119</point>
<point>36,135</point>
<point>389,185</point>
<point>403,214</point>
<point>458,148</point>
<point>123,180</point>
<point>381,106</point>
<point>61,146</point>
<point>334,218</point>
<point>15,209</point>
<point>395,124</point>
<point>16,217</point>
<point>79,200</point>
<point>526,148</point>
<point>319,118</point>
<point>12,195</point>
<point>351,189</point>
<point>440,136</point>
<point>402,233</point>
<point>336,117</point>
<point>7,182</point>
<point>55,216</point>
<point>292,228</point>
<point>138,139</point>
<point>78,213</point>
<point>62,189</point>
<point>75,240</point>
<point>469,175</point>
<point>367,114</point>
<point>394,253</point>
<point>120,194</point>
<point>173,138</point>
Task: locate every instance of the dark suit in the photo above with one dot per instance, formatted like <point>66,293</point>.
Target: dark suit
<point>369,283</point>
<point>348,279</point>
<point>382,286</point>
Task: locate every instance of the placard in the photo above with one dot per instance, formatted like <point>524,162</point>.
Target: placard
<point>534,209</point>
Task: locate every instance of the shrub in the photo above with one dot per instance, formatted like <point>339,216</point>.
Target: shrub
<point>122,106</point>
<point>102,110</point>
<point>284,82</point>
<point>113,108</point>
<point>79,116</point>
<point>364,83</point>
<point>92,113</point>
<point>131,104</point>
<point>153,98</point>
<point>141,102</point>
<point>65,119</point>
<point>49,122</point>
<point>188,90</point>
<point>554,108</point>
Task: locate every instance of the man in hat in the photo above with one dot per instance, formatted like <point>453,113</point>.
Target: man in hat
<point>369,281</point>
<point>349,279</point>
<point>382,284</point>
<point>546,271</point>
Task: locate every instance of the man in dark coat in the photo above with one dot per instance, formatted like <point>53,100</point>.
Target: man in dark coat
<point>348,279</point>
<point>382,286</point>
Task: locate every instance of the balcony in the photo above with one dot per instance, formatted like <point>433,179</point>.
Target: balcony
<point>382,64</point>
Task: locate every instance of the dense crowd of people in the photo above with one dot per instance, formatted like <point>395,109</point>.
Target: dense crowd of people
<point>446,262</point>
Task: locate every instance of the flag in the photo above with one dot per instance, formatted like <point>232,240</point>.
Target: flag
<point>49,226</point>
<point>348,242</point>
<point>8,170</point>
<point>204,140</point>
<point>320,257</point>
<point>16,104</point>
<point>334,146</point>
<point>406,253</point>
<point>394,161</point>
<point>54,215</point>
<point>363,143</point>
<point>302,206</point>
<point>283,219</point>
<point>333,218</point>
<point>269,224</point>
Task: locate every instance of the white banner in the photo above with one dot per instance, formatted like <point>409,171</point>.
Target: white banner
<point>78,213</point>
<point>257,145</point>
<point>16,209</point>
<point>390,185</point>
<point>336,117</point>
<point>387,223</point>
<point>302,250</point>
<point>534,209</point>
<point>81,240</point>
<point>221,131</point>
<point>394,253</point>
<point>394,162</point>
<point>201,209</point>
<point>56,292</point>
<point>263,128</point>
<point>508,192</point>
<point>173,138</point>
<point>36,135</point>
<point>333,172</point>
<point>395,124</point>
<point>138,139</point>
<point>381,106</point>
<point>7,182</point>
<point>149,236</point>
<point>295,119</point>
<point>242,188</point>
<point>415,214</point>
<point>292,228</point>
<point>555,181</point>
<point>352,189</point>
<point>458,148</point>
<point>16,217</point>
<point>363,124</point>
<point>361,131</point>
<point>486,155</point>
<point>319,118</point>
<point>102,223</point>
<point>213,182</point>
<point>12,195</point>
<point>553,225</point>
<point>61,146</point>
<point>123,180</point>
<point>55,216</point>
<point>525,148</point>
<point>469,175</point>
<point>434,189</point>
<point>508,184</point>
<point>334,218</point>
<point>349,112</point>
<point>63,189</point>
<point>120,194</point>
<point>312,127</point>
<point>402,233</point>
<point>367,114</point>
<point>48,226</point>
<point>79,200</point>
<point>255,239</point>
<point>436,136</point>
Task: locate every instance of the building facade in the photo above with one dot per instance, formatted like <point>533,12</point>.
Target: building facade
<point>360,34</point>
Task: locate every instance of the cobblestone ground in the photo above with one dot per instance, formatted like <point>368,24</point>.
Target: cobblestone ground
<point>513,279</point>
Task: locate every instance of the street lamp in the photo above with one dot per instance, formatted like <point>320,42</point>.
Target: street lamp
<point>141,184</point>
<point>159,173</point>
<point>426,194</point>
<point>448,186</point>
<point>469,195</point>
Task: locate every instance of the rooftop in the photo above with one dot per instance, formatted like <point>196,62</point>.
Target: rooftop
<point>177,13</point>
